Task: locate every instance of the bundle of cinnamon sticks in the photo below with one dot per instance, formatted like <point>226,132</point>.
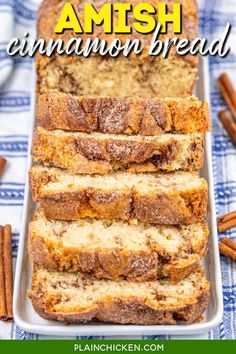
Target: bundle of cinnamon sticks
<point>6,274</point>
<point>226,245</point>
<point>229,95</point>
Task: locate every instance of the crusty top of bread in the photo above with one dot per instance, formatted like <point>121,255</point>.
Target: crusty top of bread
<point>57,110</point>
<point>50,11</point>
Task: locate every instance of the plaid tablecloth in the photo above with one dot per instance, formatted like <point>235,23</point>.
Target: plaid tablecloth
<point>16,17</point>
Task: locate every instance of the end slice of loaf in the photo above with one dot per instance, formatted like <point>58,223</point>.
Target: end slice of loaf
<point>111,115</point>
<point>83,153</point>
<point>116,250</point>
<point>134,76</point>
<point>74,298</point>
<point>174,198</point>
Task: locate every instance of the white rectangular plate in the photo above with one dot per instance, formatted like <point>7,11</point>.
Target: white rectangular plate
<point>27,319</point>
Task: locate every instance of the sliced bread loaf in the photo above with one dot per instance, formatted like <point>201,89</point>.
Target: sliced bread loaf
<point>117,249</point>
<point>56,110</point>
<point>83,153</point>
<point>174,198</point>
<point>75,298</point>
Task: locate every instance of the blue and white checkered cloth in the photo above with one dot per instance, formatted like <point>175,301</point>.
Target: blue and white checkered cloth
<point>16,17</point>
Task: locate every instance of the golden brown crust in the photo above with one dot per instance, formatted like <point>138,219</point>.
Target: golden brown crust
<point>168,206</point>
<point>171,207</point>
<point>122,115</point>
<point>126,312</point>
<point>96,154</point>
<point>116,263</point>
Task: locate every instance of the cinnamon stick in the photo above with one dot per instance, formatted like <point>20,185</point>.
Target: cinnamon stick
<point>3,310</point>
<point>228,248</point>
<point>228,93</point>
<point>226,222</point>
<point>8,270</point>
<point>229,125</point>
<point>230,243</point>
<point>6,274</point>
<point>2,165</point>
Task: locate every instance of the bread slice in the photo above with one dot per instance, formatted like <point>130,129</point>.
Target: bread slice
<point>136,75</point>
<point>76,298</point>
<point>56,110</point>
<point>175,198</point>
<point>117,77</point>
<point>115,250</point>
<point>83,153</point>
